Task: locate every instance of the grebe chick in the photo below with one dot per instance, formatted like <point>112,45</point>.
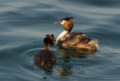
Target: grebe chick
<point>45,57</point>
<point>74,39</point>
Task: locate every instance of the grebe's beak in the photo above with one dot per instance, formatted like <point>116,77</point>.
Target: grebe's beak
<point>57,22</point>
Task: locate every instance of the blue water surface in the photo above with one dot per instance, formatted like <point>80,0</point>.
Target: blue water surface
<point>24,24</point>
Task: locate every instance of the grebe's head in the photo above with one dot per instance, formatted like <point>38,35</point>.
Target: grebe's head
<point>67,22</point>
<point>49,40</point>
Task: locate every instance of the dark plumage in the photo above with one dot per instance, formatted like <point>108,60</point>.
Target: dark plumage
<point>74,38</point>
<point>46,57</point>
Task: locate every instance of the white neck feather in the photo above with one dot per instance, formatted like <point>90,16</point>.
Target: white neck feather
<point>61,35</point>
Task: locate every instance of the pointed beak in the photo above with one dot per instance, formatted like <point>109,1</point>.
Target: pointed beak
<point>57,22</point>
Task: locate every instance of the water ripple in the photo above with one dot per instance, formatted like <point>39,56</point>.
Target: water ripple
<point>25,23</point>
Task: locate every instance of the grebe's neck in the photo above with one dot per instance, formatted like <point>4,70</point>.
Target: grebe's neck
<point>61,35</point>
<point>46,47</point>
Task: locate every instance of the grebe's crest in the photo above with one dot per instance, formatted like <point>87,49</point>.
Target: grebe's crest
<point>49,39</point>
<point>67,18</point>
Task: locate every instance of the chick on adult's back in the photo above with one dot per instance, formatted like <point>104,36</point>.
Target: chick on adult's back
<point>45,56</point>
<point>74,39</point>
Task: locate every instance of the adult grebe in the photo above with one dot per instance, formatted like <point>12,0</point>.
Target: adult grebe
<point>45,56</point>
<point>74,39</point>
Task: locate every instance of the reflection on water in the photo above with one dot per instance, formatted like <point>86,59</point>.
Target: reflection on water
<point>48,69</point>
<point>65,68</point>
<point>64,71</point>
<point>76,51</point>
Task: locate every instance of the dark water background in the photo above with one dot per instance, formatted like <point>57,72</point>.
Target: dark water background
<point>24,23</point>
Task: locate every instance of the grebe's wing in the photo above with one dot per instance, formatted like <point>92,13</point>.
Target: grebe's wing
<point>75,38</point>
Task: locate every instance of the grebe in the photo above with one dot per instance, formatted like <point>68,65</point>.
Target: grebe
<point>74,39</point>
<point>45,57</point>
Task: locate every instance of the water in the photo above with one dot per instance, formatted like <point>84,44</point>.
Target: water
<point>24,23</point>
